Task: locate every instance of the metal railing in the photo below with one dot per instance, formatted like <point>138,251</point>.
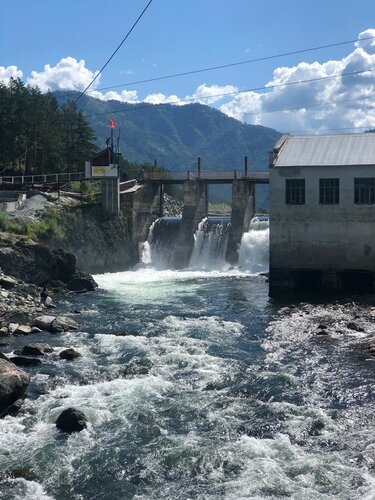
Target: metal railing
<point>42,179</point>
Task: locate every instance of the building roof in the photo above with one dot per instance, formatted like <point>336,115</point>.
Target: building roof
<point>325,150</point>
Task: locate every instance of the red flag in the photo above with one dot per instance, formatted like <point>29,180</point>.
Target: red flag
<point>112,122</point>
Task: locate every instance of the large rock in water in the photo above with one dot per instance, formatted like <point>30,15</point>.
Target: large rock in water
<point>55,324</point>
<point>36,263</point>
<point>13,385</point>
<point>71,420</point>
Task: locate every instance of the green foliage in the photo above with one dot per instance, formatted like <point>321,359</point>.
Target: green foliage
<point>37,136</point>
<point>85,187</point>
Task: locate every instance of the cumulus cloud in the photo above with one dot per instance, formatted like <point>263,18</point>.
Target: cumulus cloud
<point>68,74</point>
<point>341,102</point>
<point>123,96</point>
<point>210,94</point>
<point>9,72</point>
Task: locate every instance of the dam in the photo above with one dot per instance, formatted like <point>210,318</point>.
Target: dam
<point>141,202</point>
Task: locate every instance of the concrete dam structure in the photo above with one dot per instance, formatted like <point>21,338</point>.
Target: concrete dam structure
<point>142,204</point>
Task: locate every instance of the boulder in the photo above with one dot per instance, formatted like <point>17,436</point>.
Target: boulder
<point>7,282</point>
<point>44,322</point>
<point>355,326</point>
<point>25,361</point>
<point>63,324</point>
<point>13,384</point>
<point>14,408</point>
<point>22,330</point>
<point>71,420</point>
<point>12,327</point>
<point>37,349</point>
<point>82,284</point>
<point>4,332</point>
<point>70,354</point>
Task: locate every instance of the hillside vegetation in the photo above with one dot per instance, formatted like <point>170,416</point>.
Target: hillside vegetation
<point>177,135</point>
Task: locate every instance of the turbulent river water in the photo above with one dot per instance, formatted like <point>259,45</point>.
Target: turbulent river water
<point>197,385</point>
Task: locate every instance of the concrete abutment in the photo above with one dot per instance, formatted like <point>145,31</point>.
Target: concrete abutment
<point>243,209</point>
<point>195,209</point>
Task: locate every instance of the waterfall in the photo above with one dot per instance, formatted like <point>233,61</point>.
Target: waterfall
<point>157,250</point>
<point>146,257</point>
<point>254,249</point>
<point>210,244</point>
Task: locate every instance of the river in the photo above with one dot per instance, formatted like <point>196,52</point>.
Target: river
<point>197,385</point>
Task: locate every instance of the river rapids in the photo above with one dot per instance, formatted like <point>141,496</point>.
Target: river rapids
<point>197,385</point>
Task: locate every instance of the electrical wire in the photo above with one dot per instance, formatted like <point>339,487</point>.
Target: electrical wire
<point>136,107</point>
<point>115,51</point>
<point>229,65</point>
<point>92,81</point>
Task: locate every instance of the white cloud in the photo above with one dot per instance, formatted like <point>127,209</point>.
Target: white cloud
<point>161,99</point>
<point>9,72</point>
<point>315,105</point>
<point>209,94</point>
<point>123,96</point>
<point>68,74</point>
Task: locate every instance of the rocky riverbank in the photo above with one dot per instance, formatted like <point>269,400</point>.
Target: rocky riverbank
<point>26,267</point>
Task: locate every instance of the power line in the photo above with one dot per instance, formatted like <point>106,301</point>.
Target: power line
<point>93,80</point>
<point>115,51</point>
<point>230,65</point>
<point>136,107</point>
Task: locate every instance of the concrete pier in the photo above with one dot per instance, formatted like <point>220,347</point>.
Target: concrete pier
<point>141,204</point>
<point>195,209</point>
<point>243,209</point>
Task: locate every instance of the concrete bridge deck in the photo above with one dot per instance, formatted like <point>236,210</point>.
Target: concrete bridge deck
<point>205,176</point>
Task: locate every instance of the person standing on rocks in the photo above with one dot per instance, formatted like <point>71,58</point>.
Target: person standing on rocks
<point>43,295</point>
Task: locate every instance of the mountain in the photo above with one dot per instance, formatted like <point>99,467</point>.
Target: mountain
<point>176,135</point>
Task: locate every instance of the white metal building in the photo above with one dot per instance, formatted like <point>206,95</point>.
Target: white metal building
<point>322,206</point>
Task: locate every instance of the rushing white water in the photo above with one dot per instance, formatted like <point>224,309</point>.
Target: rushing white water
<point>210,243</point>
<point>254,250</point>
<point>146,257</point>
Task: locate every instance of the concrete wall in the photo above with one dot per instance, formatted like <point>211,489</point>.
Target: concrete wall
<point>195,209</point>
<point>141,207</point>
<point>321,237</point>
<point>243,208</point>
<point>11,200</point>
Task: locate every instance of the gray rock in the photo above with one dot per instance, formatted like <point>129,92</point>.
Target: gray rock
<point>354,326</point>
<point>63,324</point>
<point>37,349</point>
<point>7,282</point>
<point>14,408</point>
<point>71,420</point>
<point>25,361</point>
<point>4,332</point>
<point>44,322</point>
<point>12,327</point>
<point>22,330</point>
<point>13,384</point>
<point>70,354</point>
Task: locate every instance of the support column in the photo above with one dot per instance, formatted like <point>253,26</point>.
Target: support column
<point>142,208</point>
<point>243,209</point>
<point>195,209</point>
<point>111,195</point>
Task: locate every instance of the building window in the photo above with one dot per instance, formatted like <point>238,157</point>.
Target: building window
<point>364,191</point>
<point>295,191</point>
<point>329,191</point>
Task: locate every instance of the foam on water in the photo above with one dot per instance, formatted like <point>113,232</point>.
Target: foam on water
<point>236,396</point>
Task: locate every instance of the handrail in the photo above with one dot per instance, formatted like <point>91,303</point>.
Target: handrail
<point>42,178</point>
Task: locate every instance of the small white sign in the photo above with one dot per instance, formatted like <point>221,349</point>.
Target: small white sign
<point>104,171</point>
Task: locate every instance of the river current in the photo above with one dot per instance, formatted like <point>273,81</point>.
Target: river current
<point>197,385</point>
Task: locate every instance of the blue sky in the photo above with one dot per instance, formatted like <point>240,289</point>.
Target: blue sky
<point>76,37</point>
